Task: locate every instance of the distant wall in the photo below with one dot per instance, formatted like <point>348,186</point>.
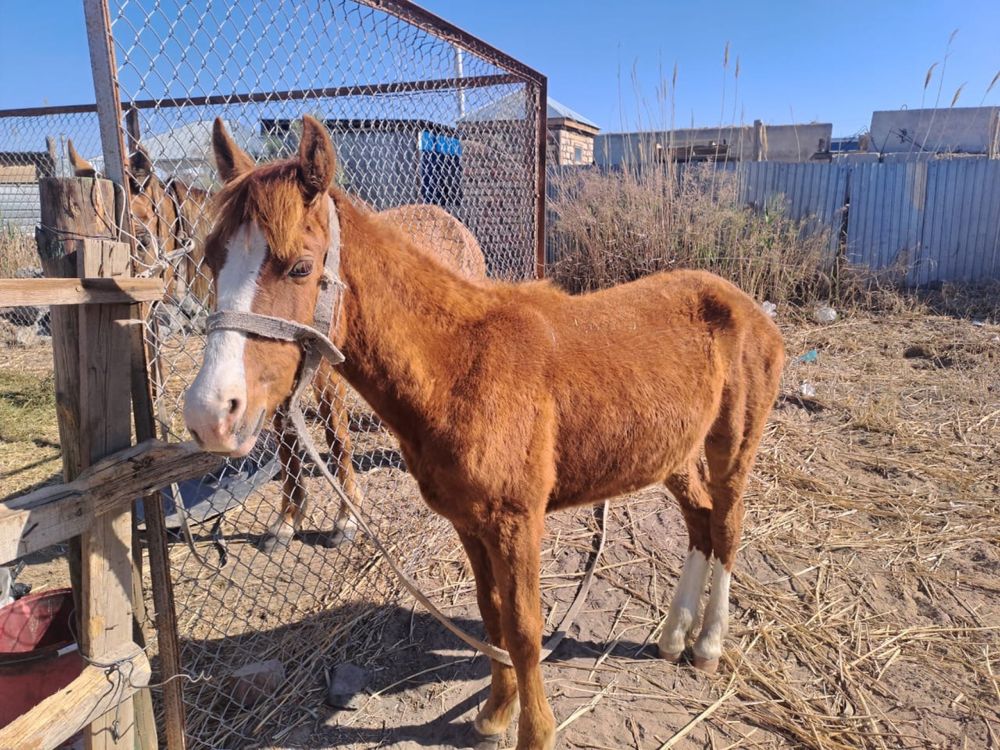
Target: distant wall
<point>969,130</point>
<point>793,143</point>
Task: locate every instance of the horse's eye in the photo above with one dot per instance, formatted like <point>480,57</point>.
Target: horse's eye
<point>301,269</point>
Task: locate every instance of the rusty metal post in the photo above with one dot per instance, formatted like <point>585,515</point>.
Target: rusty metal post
<point>541,152</point>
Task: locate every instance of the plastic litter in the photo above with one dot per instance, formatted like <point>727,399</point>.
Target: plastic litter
<point>807,389</point>
<point>810,356</point>
<point>824,314</point>
<point>770,309</point>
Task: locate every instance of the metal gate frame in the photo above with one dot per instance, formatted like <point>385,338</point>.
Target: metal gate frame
<point>111,110</point>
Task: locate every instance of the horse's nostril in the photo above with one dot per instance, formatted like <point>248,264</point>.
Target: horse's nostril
<point>234,405</point>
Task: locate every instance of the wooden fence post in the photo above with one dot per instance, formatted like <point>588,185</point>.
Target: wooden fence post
<point>91,349</point>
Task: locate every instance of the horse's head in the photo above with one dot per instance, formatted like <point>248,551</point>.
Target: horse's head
<point>152,210</point>
<point>266,252</point>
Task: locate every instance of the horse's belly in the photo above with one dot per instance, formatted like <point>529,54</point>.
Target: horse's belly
<point>597,464</point>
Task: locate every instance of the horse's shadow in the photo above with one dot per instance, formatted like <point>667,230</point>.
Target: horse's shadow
<point>428,656</point>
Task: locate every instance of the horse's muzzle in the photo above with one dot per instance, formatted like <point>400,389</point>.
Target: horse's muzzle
<point>220,423</point>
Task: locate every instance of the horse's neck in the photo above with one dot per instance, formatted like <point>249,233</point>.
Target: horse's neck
<point>405,318</point>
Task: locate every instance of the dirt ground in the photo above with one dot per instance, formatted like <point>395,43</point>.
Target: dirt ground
<point>865,605</point>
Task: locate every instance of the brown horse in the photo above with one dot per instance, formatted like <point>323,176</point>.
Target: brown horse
<point>509,401</point>
<point>170,225</point>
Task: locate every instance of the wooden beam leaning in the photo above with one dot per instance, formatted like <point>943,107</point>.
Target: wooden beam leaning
<point>143,396</point>
<point>94,693</point>
<point>32,522</point>
<point>14,292</point>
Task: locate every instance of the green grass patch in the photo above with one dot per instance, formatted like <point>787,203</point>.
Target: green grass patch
<point>28,408</point>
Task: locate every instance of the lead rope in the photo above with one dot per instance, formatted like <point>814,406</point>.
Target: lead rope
<point>497,654</point>
<point>315,347</point>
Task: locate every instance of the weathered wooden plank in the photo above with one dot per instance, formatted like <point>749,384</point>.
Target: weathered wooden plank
<point>98,291</point>
<point>106,427</point>
<point>94,693</point>
<point>144,715</point>
<point>50,515</point>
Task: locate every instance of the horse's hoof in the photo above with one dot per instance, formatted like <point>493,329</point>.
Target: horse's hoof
<point>674,657</point>
<point>269,543</point>
<point>708,666</point>
<point>336,538</point>
<point>496,722</point>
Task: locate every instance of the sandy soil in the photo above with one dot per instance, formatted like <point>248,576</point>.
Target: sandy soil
<point>865,606</point>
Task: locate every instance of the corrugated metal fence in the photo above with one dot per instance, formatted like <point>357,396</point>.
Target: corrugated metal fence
<point>935,220</point>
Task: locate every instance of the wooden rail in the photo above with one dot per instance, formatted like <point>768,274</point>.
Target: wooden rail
<point>32,522</point>
<point>94,291</point>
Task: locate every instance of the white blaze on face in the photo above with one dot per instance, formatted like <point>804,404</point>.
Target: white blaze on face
<point>221,383</point>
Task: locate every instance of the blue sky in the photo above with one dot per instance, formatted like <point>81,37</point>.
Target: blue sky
<point>799,61</point>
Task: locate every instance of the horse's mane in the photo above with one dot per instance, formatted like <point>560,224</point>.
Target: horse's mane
<point>271,197</point>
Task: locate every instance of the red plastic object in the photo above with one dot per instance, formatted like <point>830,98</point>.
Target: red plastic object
<point>33,632</point>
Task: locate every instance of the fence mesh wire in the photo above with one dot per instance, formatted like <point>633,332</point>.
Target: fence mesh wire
<point>31,147</point>
<point>416,120</point>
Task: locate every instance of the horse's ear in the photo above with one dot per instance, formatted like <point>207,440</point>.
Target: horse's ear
<point>231,160</point>
<point>140,167</point>
<point>81,167</point>
<point>317,159</point>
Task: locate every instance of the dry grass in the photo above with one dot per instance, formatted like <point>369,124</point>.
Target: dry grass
<point>615,226</point>
<point>17,251</point>
<point>29,434</point>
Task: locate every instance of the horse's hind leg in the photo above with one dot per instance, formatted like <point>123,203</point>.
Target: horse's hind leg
<point>688,488</point>
<point>336,423</point>
<point>730,449</point>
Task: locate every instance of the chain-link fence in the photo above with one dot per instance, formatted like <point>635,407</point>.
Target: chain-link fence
<point>420,113</point>
<point>32,146</point>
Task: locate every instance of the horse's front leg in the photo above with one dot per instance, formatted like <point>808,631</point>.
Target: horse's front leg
<point>495,716</point>
<point>336,424</point>
<point>293,492</point>
<point>515,553</point>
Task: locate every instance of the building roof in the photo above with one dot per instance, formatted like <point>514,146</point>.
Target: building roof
<point>514,106</point>
<point>559,110</point>
<point>194,141</point>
